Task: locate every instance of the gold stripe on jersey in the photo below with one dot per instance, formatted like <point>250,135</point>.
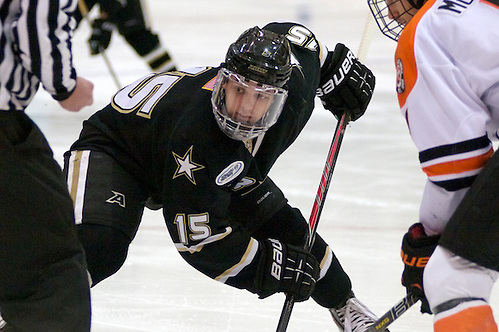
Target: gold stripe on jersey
<point>198,247</point>
<point>75,170</point>
<point>246,259</point>
<point>76,181</point>
<point>325,262</point>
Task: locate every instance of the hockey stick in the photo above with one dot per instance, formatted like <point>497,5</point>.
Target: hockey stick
<point>395,312</point>
<point>84,12</point>
<point>320,199</point>
<point>327,173</point>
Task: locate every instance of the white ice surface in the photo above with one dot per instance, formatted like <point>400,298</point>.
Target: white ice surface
<point>373,198</point>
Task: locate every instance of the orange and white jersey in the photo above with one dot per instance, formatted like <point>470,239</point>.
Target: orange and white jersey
<point>447,62</point>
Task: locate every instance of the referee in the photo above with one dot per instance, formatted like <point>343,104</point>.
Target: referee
<point>43,279</point>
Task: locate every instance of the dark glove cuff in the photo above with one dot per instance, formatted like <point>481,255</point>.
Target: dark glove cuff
<point>266,281</point>
<point>417,238</point>
<point>326,67</point>
<point>333,61</point>
<point>103,24</point>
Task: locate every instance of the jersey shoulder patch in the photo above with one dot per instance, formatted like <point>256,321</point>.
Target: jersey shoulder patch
<point>230,173</point>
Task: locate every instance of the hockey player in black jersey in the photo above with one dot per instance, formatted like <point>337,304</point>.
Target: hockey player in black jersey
<point>200,144</point>
<point>128,17</point>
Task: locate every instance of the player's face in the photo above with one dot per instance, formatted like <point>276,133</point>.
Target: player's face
<point>400,11</point>
<point>247,102</point>
<point>245,109</point>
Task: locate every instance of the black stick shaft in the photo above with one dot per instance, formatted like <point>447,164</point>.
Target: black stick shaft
<point>320,199</point>
<point>395,312</point>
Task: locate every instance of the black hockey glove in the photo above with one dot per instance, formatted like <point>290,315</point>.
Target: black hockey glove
<point>286,268</point>
<point>417,248</point>
<point>101,35</point>
<point>346,85</point>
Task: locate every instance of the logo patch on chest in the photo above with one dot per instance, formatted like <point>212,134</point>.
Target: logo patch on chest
<point>400,77</point>
<point>229,173</point>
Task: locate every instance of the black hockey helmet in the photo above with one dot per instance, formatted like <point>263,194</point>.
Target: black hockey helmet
<point>256,69</point>
<point>262,56</point>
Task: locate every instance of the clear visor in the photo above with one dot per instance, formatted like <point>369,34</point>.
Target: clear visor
<point>243,108</point>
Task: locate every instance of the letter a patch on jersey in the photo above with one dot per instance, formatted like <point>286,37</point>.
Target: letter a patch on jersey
<point>117,198</point>
<point>185,166</point>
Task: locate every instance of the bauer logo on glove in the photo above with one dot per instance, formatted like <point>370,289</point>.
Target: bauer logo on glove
<point>285,268</point>
<point>339,77</point>
<point>346,85</point>
<point>276,268</point>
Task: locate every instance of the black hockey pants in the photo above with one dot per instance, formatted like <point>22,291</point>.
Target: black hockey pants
<point>43,279</point>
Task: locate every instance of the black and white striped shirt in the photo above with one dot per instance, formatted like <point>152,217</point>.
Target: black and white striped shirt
<point>35,47</point>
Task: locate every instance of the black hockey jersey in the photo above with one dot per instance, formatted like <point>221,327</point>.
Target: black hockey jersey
<point>214,190</point>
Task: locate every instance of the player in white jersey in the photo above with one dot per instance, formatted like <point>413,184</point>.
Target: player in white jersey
<point>447,62</point>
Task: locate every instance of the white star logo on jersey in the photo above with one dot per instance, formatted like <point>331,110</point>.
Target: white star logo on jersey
<point>185,166</point>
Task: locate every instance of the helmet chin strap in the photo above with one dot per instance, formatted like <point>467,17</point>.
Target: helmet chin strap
<point>416,3</point>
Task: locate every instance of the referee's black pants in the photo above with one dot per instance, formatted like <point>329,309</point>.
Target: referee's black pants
<point>43,278</point>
